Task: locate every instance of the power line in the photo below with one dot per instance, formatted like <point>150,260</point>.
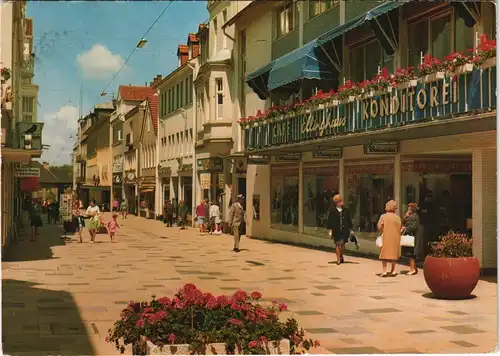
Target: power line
<point>133,50</point>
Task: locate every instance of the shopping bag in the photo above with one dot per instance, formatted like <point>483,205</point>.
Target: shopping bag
<point>408,241</point>
<point>379,242</point>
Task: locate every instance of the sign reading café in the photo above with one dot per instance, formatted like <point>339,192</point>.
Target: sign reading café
<point>435,100</point>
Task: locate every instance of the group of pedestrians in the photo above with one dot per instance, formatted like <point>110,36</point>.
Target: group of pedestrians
<point>208,218</point>
<point>389,225</point>
<point>93,221</point>
<point>175,214</point>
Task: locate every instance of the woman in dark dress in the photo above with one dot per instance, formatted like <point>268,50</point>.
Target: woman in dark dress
<point>35,219</point>
<point>411,223</point>
<point>340,224</point>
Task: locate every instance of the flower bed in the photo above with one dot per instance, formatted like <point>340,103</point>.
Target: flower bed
<point>430,70</point>
<point>197,322</point>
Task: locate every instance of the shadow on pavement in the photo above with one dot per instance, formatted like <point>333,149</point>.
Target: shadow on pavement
<point>40,320</point>
<point>41,249</point>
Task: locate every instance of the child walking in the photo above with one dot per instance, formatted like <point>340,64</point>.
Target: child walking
<point>80,224</point>
<point>112,225</point>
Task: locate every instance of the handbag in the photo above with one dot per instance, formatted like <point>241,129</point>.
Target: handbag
<point>379,242</point>
<point>407,241</point>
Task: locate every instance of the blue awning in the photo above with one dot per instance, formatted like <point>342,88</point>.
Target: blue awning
<point>306,62</point>
<point>258,80</point>
<point>381,20</point>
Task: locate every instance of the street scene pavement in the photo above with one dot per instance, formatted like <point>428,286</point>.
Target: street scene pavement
<point>60,297</point>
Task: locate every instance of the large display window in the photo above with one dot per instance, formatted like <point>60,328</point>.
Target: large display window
<point>285,197</point>
<point>321,183</point>
<point>367,188</point>
<point>442,190</point>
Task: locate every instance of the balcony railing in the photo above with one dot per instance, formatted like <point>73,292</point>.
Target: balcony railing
<point>430,98</point>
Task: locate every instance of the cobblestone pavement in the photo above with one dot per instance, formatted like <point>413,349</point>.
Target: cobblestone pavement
<point>61,297</point>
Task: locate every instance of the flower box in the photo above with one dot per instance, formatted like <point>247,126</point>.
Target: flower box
<point>320,106</point>
<point>488,63</point>
<point>212,349</point>
<point>466,68</point>
<point>433,77</point>
<point>410,84</point>
<point>351,98</point>
<point>335,102</point>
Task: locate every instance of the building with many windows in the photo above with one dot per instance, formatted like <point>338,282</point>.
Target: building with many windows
<point>428,139</point>
<point>175,129</point>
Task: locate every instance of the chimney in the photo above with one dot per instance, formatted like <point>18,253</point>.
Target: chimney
<point>182,54</point>
<point>159,77</point>
<point>45,165</point>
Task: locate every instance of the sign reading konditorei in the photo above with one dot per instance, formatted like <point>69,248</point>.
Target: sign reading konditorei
<point>440,99</point>
<point>258,160</point>
<point>381,148</point>
<point>294,157</point>
<point>328,153</point>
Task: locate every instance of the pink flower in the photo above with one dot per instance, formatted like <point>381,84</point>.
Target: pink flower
<point>139,323</point>
<point>222,300</point>
<point>212,303</point>
<point>256,295</point>
<point>283,306</point>
<point>235,321</point>
<point>263,339</point>
<point>240,295</point>
<point>164,301</point>
<point>172,338</point>
<point>253,343</point>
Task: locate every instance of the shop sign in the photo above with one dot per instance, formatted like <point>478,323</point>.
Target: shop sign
<point>295,157</point>
<point>433,166</point>
<point>205,180</point>
<point>381,148</point>
<point>214,164</point>
<point>222,183</point>
<point>117,178</point>
<point>66,206</point>
<point>117,167</point>
<point>328,153</point>
<point>25,172</point>
<point>442,99</point>
<point>258,160</point>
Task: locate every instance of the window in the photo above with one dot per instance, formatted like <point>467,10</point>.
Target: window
<point>28,108</point>
<point>120,135</point>
<point>285,196</point>
<point>181,94</point>
<point>177,97</point>
<point>366,60</point>
<point>219,92</point>
<point>317,7</point>
<point>287,17</point>
<point>439,36</point>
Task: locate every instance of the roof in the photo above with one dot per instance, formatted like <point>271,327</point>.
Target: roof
<point>135,93</point>
<point>54,175</point>
<point>153,107</point>
<point>182,49</point>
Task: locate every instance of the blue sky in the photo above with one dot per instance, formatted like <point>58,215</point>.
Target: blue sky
<point>85,43</point>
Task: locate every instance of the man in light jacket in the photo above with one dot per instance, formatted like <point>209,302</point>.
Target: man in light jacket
<point>236,216</point>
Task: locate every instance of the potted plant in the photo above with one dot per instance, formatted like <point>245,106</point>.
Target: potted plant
<point>486,53</point>
<point>5,73</point>
<point>193,322</point>
<point>367,88</point>
<point>348,91</point>
<point>431,69</point>
<point>405,78</point>
<point>458,63</point>
<point>243,122</point>
<point>450,270</point>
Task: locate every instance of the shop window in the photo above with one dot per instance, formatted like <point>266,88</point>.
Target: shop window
<point>366,60</point>
<point>287,17</point>
<point>317,7</point>
<point>464,35</point>
<point>367,189</point>
<point>321,183</point>
<point>285,197</point>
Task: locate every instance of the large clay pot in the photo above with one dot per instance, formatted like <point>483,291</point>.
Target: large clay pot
<point>451,278</point>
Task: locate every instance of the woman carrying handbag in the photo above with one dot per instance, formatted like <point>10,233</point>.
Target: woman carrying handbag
<point>409,230</point>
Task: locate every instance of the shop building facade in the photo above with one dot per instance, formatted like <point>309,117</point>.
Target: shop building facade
<point>433,143</point>
<point>175,130</point>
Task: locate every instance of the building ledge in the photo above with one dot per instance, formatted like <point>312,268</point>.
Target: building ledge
<point>19,154</point>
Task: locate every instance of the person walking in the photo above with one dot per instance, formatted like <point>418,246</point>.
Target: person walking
<point>116,205</point>
<point>207,215</point>
<point>80,224</point>
<point>182,212</point>
<point>215,219</point>
<point>35,219</point>
<point>124,209</point>
<point>339,224</point>
<point>389,226</point>
<point>94,221</point>
<point>236,217</point>
<point>112,225</point>
<point>411,223</point>
<point>169,213</point>
<point>200,216</point>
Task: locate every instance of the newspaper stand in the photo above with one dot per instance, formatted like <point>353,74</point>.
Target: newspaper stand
<point>66,211</point>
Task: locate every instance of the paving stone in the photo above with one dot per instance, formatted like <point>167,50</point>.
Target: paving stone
<point>326,287</point>
<point>380,311</point>
<point>308,312</point>
<point>416,332</point>
<point>355,350</point>
<point>464,343</point>
<point>462,329</point>
<point>321,331</point>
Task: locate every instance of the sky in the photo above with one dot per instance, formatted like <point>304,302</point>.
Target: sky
<point>84,44</point>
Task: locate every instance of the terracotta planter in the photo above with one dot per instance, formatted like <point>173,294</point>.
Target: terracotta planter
<point>490,62</point>
<point>211,349</point>
<point>451,278</point>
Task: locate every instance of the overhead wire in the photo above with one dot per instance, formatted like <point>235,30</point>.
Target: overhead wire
<point>131,53</point>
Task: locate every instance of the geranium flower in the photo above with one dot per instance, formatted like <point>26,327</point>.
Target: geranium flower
<point>236,321</point>
<point>240,295</point>
<point>256,295</point>
<point>253,343</point>
<point>140,323</point>
<point>263,340</point>
<point>172,338</point>
<point>164,301</point>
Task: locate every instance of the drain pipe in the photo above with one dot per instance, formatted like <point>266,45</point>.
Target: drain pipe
<point>194,178</point>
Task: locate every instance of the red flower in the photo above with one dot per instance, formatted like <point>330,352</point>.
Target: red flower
<point>212,303</point>
<point>172,338</point>
<point>222,300</point>
<point>235,321</point>
<point>139,323</point>
<point>263,340</point>
<point>253,343</point>
<point>283,306</point>
<point>240,295</point>
<point>256,295</point>
<point>164,301</point>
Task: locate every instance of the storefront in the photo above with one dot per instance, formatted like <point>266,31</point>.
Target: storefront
<point>433,144</point>
<point>147,197</point>
<point>117,186</point>
<point>131,191</point>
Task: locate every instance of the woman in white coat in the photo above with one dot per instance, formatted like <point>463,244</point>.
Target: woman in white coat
<point>215,219</point>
